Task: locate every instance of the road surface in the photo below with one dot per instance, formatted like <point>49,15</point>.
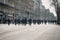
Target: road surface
<point>33,32</point>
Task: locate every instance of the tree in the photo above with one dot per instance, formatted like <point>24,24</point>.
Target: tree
<point>57,7</point>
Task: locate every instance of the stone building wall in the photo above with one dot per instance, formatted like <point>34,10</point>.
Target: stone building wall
<point>22,8</point>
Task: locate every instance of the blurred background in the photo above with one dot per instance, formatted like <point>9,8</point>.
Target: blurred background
<point>29,11</point>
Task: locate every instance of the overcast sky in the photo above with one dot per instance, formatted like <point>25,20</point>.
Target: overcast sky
<point>59,1</point>
<point>47,3</point>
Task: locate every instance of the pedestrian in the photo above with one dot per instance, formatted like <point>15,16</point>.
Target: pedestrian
<point>30,21</point>
<point>9,21</point>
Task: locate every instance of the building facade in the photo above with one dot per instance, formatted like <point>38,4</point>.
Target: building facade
<point>17,8</point>
<point>41,12</point>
